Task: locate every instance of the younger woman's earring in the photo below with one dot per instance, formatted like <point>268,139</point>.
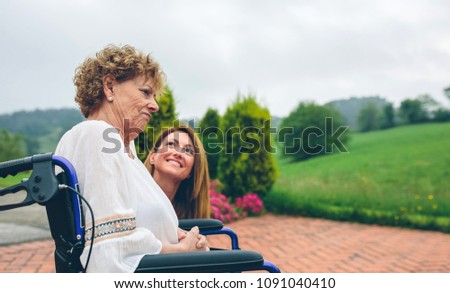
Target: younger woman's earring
<point>110,99</point>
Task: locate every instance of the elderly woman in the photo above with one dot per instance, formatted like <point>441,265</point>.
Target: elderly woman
<point>116,92</point>
<point>178,164</point>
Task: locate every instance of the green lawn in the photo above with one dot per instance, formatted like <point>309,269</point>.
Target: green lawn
<point>399,177</point>
<point>11,180</point>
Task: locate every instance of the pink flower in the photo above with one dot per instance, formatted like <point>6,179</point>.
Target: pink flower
<point>250,204</point>
<point>221,209</point>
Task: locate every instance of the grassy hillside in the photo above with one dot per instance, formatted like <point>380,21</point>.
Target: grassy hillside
<point>399,177</point>
<point>41,128</point>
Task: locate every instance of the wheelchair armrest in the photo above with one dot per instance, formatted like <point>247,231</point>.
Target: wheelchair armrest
<point>217,261</point>
<point>203,224</point>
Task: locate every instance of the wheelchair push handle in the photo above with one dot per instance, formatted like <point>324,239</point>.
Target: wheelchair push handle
<point>24,164</point>
<point>13,167</point>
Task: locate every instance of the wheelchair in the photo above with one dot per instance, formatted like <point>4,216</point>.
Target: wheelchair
<point>60,195</point>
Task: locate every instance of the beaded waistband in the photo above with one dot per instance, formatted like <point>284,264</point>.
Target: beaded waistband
<point>111,227</point>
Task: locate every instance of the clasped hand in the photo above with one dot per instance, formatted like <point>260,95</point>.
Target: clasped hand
<point>193,240</point>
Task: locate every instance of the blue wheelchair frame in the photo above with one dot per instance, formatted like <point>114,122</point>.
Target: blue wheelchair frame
<point>267,265</point>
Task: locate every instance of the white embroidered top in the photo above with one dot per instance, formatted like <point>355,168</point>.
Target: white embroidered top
<point>133,216</point>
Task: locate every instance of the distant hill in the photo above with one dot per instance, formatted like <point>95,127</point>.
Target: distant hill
<point>41,127</point>
<point>349,108</point>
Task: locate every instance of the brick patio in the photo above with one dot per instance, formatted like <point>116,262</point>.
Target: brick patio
<point>296,245</point>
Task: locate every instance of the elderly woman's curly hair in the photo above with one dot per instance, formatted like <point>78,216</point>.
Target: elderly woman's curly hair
<point>124,63</point>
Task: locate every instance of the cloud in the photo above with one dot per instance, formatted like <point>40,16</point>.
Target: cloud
<point>282,51</point>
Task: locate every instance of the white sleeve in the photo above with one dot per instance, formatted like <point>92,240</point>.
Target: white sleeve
<point>119,245</point>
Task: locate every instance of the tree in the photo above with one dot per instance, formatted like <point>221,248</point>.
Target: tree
<point>447,92</point>
<point>211,136</point>
<point>368,118</point>
<point>429,104</point>
<point>388,117</point>
<point>247,163</point>
<point>412,111</point>
<point>371,118</point>
<point>441,115</point>
<point>12,146</point>
<point>350,108</point>
<point>32,146</point>
<point>312,130</point>
<point>433,109</point>
<point>164,118</point>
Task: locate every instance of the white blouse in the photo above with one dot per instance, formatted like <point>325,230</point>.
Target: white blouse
<point>133,216</point>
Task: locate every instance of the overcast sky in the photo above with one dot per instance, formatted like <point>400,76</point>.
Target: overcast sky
<point>282,51</point>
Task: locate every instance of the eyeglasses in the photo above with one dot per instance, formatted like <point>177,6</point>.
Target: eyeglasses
<point>188,150</point>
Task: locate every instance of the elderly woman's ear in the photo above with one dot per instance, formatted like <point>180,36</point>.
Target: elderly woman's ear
<point>108,84</point>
